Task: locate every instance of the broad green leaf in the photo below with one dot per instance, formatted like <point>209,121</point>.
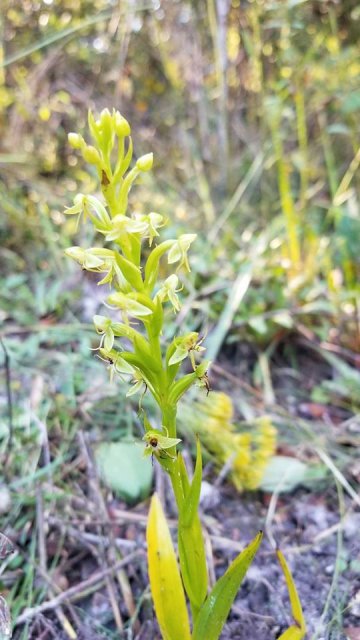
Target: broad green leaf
<point>216,608</point>
<point>295,632</point>
<point>124,470</point>
<point>283,473</point>
<point>165,581</point>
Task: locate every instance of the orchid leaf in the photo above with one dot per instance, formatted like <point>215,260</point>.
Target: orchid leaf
<point>216,608</point>
<point>165,581</point>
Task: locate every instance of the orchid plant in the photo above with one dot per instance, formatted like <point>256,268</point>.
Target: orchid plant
<point>133,347</point>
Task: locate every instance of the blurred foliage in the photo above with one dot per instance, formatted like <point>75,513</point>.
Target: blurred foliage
<point>217,88</point>
<point>251,111</point>
<point>244,450</point>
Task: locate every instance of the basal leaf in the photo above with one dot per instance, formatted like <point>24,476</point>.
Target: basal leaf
<point>216,608</point>
<point>166,586</point>
<point>292,633</point>
<point>124,469</point>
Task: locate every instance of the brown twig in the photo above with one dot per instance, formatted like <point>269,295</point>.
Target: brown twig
<point>94,486</point>
<point>79,590</point>
<point>112,553</point>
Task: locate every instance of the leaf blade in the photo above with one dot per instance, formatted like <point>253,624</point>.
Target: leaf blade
<point>189,510</point>
<point>296,608</point>
<point>165,581</point>
<point>216,608</point>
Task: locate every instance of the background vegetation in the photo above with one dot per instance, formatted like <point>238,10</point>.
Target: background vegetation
<point>251,110</point>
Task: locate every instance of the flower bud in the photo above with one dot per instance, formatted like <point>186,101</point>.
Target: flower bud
<point>145,163</point>
<point>105,118</point>
<point>75,140</point>
<point>106,124</point>
<point>122,127</point>
<point>91,155</point>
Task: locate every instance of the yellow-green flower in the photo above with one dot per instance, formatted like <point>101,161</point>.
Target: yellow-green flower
<point>117,364</point>
<point>185,347</point>
<point>121,225</point>
<point>129,305</point>
<point>153,222</point>
<point>169,290</point>
<point>179,250</point>
<point>98,260</point>
<point>85,205</point>
<point>157,444</point>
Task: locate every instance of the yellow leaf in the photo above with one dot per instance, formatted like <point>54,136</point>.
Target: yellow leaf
<point>165,581</point>
<point>292,633</point>
<point>295,632</point>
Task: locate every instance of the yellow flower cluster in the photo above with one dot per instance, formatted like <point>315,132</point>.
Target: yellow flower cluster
<point>246,452</point>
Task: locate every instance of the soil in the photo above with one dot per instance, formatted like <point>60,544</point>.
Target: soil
<point>305,526</point>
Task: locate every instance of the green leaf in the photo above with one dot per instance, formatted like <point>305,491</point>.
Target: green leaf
<point>152,263</point>
<point>179,387</point>
<point>131,272</point>
<point>284,319</point>
<point>166,586</point>
<point>190,539</point>
<point>144,352</point>
<point>193,561</point>
<point>283,474</point>
<point>259,325</point>
<point>191,503</point>
<point>124,469</point>
<point>216,608</point>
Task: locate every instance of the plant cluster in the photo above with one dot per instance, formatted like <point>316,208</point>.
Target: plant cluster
<point>140,297</point>
<point>246,451</point>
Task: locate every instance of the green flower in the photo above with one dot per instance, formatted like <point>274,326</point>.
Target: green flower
<point>178,251</point>
<point>157,444</point>
<point>85,205</point>
<point>139,384</point>
<point>186,347</point>
<point>95,259</point>
<point>99,260</point>
<point>117,364</point>
<point>168,291</point>
<point>121,225</point>
<point>104,328</point>
<point>153,221</point>
<point>129,305</point>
